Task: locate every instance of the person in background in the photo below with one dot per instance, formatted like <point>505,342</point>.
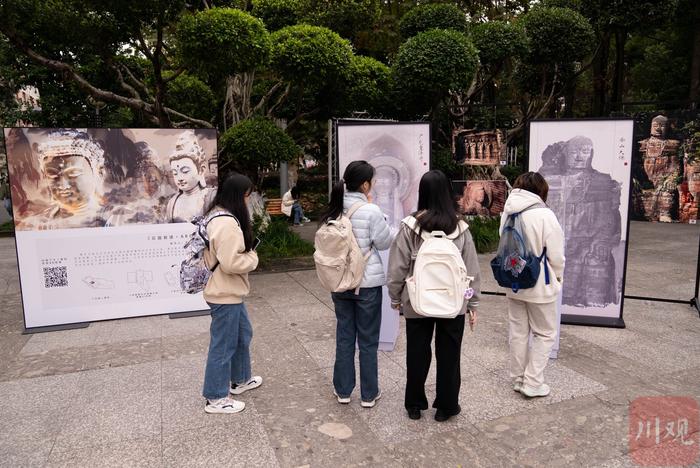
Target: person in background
<point>231,257</point>
<point>436,212</point>
<point>534,310</point>
<point>359,313</point>
<point>291,206</point>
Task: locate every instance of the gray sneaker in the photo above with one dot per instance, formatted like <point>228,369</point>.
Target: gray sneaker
<point>541,391</point>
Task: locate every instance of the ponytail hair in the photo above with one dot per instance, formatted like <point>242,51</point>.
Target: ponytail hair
<point>335,205</point>
<point>356,174</point>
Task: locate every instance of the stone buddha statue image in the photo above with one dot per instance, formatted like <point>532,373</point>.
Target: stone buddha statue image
<point>587,203</point>
<point>72,164</point>
<point>188,165</point>
<point>657,173</point>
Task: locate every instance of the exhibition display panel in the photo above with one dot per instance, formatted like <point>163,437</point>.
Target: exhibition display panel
<point>101,217</point>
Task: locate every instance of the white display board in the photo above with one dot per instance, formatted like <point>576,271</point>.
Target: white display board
<point>100,219</point>
<point>587,164</point>
<point>400,153</point>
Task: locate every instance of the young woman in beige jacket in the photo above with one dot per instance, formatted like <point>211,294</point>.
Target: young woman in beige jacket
<point>231,257</point>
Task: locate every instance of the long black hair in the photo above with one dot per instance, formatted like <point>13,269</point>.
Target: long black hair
<point>231,196</point>
<point>356,174</point>
<point>436,204</point>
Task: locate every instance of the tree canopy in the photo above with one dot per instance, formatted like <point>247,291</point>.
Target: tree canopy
<point>220,63</point>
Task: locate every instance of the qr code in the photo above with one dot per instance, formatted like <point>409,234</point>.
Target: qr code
<point>56,277</point>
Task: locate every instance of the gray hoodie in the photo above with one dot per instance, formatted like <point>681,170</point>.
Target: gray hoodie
<point>402,257</point>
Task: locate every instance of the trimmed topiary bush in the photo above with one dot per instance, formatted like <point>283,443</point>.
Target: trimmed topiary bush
<point>255,144</point>
<point>433,16</point>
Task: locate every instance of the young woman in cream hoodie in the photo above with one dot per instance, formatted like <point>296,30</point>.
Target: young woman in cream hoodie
<point>232,257</point>
<point>534,310</point>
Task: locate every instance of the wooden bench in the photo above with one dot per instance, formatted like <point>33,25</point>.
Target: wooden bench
<point>274,206</point>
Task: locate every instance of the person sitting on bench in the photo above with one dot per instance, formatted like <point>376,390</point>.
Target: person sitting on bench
<point>291,207</point>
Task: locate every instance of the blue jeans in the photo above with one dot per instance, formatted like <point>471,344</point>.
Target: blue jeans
<point>359,318</point>
<point>297,213</point>
<point>229,349</point>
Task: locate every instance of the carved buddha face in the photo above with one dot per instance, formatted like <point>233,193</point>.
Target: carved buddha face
<point>579,153</point>
<point>71,181</point>
<point>659,126</point>
<point>185,174</point>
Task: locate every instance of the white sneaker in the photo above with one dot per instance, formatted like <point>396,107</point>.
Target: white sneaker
<point>254,382</point>
<point>224,405</point>
<point>305,220</point>
<point>341,400</point>
<point>517,386</point>
<point>370,404</point>
<point>541,391</point>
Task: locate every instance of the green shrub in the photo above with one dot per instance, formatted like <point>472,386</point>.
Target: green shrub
<point>432,63</point>
<point>222,41</point>
<point>498,41</point>
<point>277,14</point>
<point>432,16</point>
<point>255,144</point>
<point>484,231</point>
<point>7,227</point>
<point>192,96</point>
<point>310,55</point>
<point>281,242</point>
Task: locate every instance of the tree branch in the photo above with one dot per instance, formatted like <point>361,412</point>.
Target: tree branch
<point>144,46</point>
<point>69,73</point>
<point>267,97</point>
<point>120,78</point>
<point>138,83</point>
<point>177,73</point>
<point>174,113</point>
<point>280,100</point>
<point>298,118</point>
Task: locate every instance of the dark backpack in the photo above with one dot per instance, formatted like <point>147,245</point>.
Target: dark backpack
<point>514,266</point>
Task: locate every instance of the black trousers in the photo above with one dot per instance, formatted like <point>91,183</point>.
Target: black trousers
<point>448,344</point>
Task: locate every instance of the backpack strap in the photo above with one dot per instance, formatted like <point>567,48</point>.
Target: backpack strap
<point>355,206</point>
<point>202,227</point>
<point>412,223</point>
<point>519,238</point>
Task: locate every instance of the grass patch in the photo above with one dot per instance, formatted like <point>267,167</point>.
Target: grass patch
<point>7,227</point>
<point>485,233</point>
<point>281,242</point>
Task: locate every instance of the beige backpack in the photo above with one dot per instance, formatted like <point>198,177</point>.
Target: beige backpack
<point>340,264</point>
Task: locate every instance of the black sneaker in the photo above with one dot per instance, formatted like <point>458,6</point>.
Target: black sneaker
<point>413,413</point>
<point>442,415</point>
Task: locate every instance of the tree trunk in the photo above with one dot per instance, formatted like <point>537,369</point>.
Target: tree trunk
<point>695,68</point>
<point>569,98</point>
<point>618,90</point>
<point>600,71</point>
<point>237,102</point>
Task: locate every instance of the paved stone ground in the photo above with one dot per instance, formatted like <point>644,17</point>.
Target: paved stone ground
<point>126,392</point>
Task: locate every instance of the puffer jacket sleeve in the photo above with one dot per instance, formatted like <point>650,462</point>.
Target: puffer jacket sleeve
<point>471,261</point>
<point>379,231</point>
<point>399,264</point>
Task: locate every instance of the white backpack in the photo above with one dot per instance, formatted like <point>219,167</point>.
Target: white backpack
<point>340,264</point>
<point>439,282</point>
